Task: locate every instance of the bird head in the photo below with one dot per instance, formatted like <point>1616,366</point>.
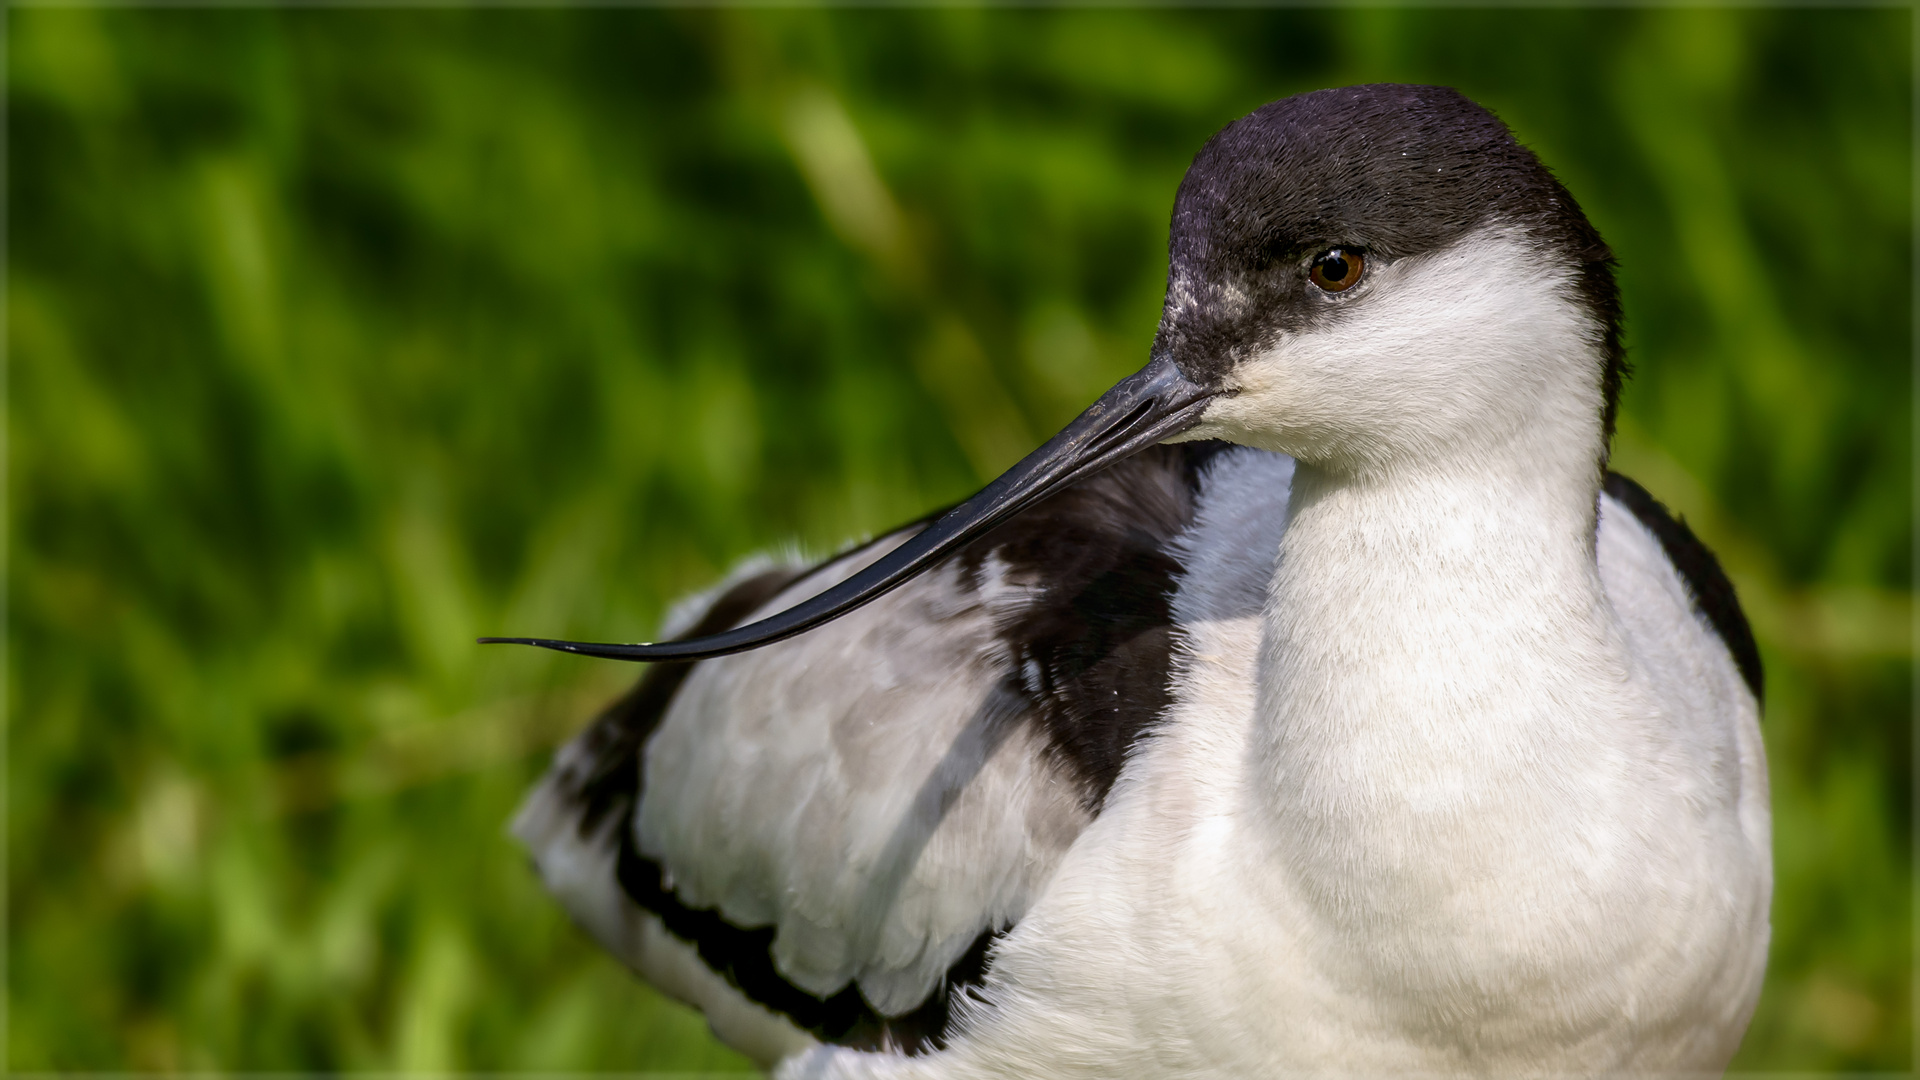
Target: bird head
<point>1377,275</point>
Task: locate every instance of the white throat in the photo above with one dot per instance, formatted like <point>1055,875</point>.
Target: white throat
<point>1446,721</point>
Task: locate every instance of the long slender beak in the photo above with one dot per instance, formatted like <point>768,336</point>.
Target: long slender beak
<point>1150,406</point>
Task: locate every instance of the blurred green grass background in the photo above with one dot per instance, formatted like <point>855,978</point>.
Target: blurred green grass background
<point>338,337</point>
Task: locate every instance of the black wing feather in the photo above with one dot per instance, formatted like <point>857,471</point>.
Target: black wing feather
<point>1713,594</point>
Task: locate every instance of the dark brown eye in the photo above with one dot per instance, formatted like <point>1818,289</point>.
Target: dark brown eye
<point>1337,269</point>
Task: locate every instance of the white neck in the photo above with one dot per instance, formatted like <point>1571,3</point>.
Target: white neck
<point>1438,692</point>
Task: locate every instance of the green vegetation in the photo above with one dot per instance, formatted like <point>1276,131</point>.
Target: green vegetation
<point>340,337</point>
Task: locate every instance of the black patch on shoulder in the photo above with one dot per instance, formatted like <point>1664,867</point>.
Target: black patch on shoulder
<point>1712,593</point>
<point>606,783</point>
<point>1093,652</point>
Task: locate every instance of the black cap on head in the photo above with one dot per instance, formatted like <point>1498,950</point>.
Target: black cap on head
<point>1391,170</point>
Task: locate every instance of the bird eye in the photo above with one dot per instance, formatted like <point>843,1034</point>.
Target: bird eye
<point>1337,269</point>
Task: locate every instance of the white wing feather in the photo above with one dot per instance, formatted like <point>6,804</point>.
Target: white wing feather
<point>867,788</point>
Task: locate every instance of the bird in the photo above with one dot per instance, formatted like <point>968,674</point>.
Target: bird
<point>1317,701</point>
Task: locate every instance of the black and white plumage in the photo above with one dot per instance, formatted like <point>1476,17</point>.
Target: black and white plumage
<point>1374,728</point>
